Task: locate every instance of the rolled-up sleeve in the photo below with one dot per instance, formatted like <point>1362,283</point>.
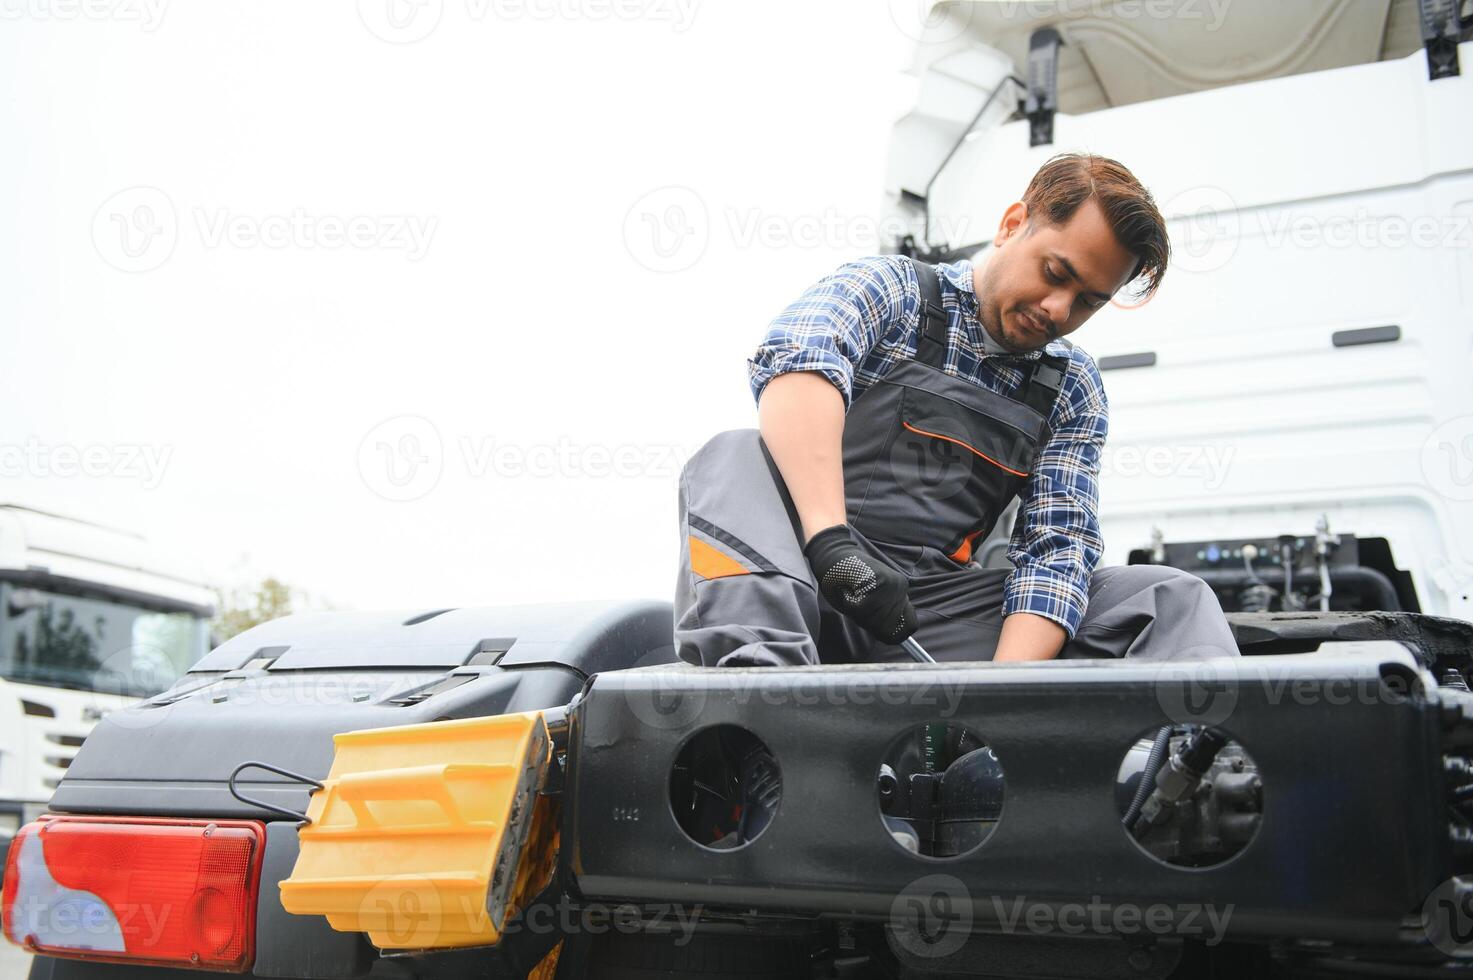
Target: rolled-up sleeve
<point>834,324</point>
<point>1056,541</point>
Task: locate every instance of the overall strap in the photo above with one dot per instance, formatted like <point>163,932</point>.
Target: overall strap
<point>1044,381</point>
<point>931,342</point>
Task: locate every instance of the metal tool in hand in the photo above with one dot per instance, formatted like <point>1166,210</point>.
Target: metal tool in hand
<point>914,648</point>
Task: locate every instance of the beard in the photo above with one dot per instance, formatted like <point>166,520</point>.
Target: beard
<point>1002,328</point>
<point>996,326</point>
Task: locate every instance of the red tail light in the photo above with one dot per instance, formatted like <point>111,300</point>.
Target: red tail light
<point>136,890</point>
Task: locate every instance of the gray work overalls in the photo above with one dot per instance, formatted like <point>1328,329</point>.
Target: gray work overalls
<point>930,462</point>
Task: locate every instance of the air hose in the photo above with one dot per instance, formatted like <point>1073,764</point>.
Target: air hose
<point>1143,789</point>
<point>1179,777</point>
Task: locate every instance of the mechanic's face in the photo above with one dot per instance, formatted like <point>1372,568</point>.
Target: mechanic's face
<point>1042,281</point>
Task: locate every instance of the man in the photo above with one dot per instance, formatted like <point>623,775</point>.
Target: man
<point>902,407</point>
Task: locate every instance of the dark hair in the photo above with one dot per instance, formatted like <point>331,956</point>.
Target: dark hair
<point>1069,179</point>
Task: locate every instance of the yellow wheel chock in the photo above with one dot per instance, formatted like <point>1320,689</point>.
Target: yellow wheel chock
<point>428,836</point>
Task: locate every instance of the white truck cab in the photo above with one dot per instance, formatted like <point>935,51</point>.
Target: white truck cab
<point>1306,362</point>
<point>90,621</point>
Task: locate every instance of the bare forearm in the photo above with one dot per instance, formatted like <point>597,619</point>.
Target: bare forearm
<point>801,416</point>
<point>1029,637</point>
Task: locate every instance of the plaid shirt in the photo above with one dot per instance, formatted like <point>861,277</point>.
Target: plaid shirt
<point>854,325</point>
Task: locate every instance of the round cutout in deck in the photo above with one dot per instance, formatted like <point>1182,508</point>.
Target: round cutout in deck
<point>725,787</point>
<point>1189,796</point>
<point>940,789</point>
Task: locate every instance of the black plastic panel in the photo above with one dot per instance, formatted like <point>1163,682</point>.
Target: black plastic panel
<point>175,759</point>
<point>173,754</point>
<point>300,946</point>
<point>597,635</point>
<point>1354,833</point>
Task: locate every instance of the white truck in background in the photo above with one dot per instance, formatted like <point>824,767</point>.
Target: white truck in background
<point>1299,388</point>
<point>90,621</point>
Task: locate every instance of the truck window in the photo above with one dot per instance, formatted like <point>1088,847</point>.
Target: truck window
<point>94,644</point>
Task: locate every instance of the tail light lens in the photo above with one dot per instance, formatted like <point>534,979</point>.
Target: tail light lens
<point>136,890</point>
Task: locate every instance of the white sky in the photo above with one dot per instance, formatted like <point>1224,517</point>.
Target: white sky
<point>180,309</point>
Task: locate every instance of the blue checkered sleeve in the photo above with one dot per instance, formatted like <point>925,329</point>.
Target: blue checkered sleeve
<point>834,324</point>
<point>1056,542</point>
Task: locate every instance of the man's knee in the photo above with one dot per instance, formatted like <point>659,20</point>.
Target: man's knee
<point>1130,579</point>
<point>1162,588</point>
<point>1176,615</point>
<point>1184,583</point>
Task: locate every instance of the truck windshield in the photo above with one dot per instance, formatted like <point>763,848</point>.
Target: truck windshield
<point>94,644</point>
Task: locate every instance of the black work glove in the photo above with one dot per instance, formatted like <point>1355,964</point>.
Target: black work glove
<point>866,590</point>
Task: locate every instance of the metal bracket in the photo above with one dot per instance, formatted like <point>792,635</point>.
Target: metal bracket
<point>1441,31</point>
<point>1042,100</point>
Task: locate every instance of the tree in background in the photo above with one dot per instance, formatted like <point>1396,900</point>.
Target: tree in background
<point>240,609</point>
